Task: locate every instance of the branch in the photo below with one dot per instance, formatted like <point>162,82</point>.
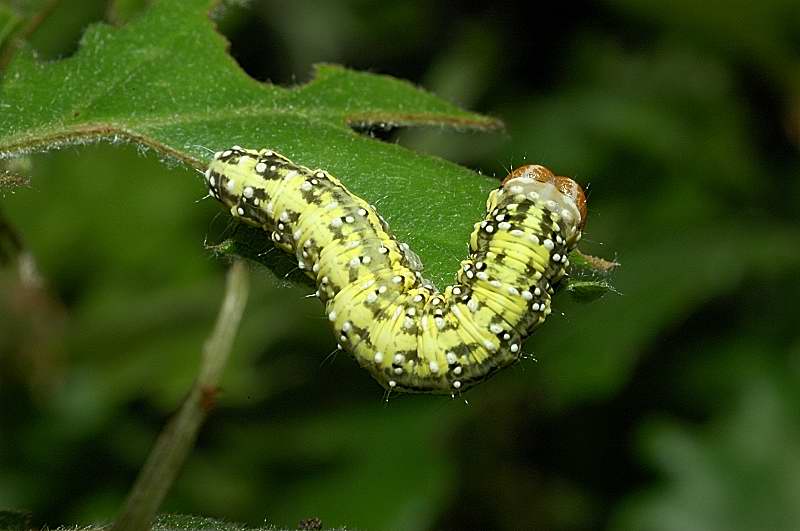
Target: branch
<point>178,437</point>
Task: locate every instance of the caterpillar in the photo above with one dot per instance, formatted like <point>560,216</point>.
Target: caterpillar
<point>407,334</point>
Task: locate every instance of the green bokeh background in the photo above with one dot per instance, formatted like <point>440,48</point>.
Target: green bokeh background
<point>673,405</point>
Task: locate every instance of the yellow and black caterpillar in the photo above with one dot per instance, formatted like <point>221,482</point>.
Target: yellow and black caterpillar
<point>406,333</point>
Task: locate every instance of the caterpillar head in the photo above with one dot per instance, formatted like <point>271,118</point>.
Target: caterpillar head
<point>570,190</point>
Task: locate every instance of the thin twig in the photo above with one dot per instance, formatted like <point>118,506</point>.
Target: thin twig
<point>176,440</point>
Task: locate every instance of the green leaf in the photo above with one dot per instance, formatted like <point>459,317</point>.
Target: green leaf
<point>588,290</point>
<point>166,81</point>
<point>185,522</point>
<point>13,173</point>
<point>737,473</point>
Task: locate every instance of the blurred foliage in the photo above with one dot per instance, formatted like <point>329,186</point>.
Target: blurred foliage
<point>672,405</point>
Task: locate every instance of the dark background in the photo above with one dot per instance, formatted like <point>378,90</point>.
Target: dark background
<point>671,405</point>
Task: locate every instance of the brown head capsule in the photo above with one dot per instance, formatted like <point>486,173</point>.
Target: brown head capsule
<point>565,185</point>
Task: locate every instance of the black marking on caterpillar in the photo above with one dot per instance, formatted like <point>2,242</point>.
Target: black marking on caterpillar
<point>398,326</point>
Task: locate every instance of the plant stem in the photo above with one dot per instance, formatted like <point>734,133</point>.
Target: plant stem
<point>177,439</point>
